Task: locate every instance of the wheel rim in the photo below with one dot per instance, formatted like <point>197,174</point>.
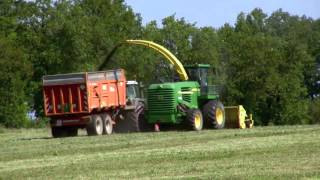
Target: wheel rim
<point>99,127</point>
<point>219,116</point>
<point>197,121</point>
<point>108,126</point>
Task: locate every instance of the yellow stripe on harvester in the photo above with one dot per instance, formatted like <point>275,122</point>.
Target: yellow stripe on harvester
<point>185,92</point>
<point>166,53</point>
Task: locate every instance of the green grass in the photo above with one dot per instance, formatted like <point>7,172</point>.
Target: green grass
<point>287,152</point>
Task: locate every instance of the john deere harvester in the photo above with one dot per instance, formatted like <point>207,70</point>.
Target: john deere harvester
<point>191,100</point>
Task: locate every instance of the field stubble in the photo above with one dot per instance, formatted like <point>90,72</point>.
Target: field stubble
<point>284,152</point>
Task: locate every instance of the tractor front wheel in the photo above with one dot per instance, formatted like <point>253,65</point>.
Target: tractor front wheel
<point>214,114</point>
<point>194,119</point>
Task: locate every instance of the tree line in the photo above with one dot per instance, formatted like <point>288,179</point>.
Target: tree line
<point>268,63</point>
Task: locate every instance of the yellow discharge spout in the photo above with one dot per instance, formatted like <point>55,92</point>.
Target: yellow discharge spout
<point>166,53</point>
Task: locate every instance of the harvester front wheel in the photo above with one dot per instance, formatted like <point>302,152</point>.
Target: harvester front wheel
<point>107,124</point>
<point>96,126</point>
<point>214,114</point>
<point>194,119</point>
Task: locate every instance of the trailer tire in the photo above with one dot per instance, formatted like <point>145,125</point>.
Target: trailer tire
<point>59,132</point>
<point>96,126</point>
<point>72,131</point>
<point>107,124</point>
<point>214,114</point>
<point>194,119</point>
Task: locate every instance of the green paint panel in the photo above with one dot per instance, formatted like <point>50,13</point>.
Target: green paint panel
<point>163,100</point>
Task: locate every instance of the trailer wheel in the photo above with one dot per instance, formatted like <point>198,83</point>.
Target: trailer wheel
<point>214,114</point>
<point>59,132</point>
<point>72,131</point>
<point>107,124</point>
<point>194,119</point>
<point>96,126</point>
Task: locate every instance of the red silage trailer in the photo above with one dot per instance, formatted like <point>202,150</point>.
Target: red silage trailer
<point>88,100</point>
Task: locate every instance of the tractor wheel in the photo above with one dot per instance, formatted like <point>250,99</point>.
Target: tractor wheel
<point>96,126</point>
<point>130,123</point>
<point>59,132</point>
<point>214,114</point>
<point>194,119</point>
<point>133,121</point>
<point>141,122</point>
<point>107,124</point>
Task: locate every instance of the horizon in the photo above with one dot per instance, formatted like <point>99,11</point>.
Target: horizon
<point>213,13</point>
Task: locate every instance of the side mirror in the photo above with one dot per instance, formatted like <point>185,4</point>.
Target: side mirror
<point>141,85</point>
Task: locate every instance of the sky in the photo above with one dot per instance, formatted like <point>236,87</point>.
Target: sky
<point>216,13</point>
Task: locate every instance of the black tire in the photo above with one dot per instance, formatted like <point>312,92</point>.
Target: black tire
<point>194,119</point>
<point>133,121</point>
<point>107,124</point>
<point>96,126</point>
<point>128,123</point>
<point>71,131</point>
<point>214,115</point>
<point>59,132</point>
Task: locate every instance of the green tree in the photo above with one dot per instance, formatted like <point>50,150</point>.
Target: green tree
<point>14,74</point>
<point>265,72</point>
<point>15,70</point>
<point>72,36</point>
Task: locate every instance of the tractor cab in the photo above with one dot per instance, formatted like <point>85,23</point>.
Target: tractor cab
<point>133,90</point>
<point>200,73</point>
<point>134,93</point>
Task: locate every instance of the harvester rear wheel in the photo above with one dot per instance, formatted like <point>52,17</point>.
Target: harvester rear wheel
<point>214,114</point>
<point>194,119</point>
<point>96,126</point>
<point>107,124</point>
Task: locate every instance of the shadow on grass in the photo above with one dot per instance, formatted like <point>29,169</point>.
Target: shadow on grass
<point>46,138</point>
<point>34,138</point>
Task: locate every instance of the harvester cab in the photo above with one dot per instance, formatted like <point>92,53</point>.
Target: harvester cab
<point>199,73</point>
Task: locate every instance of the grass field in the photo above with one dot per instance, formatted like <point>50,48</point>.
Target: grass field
<point>288,152</point>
